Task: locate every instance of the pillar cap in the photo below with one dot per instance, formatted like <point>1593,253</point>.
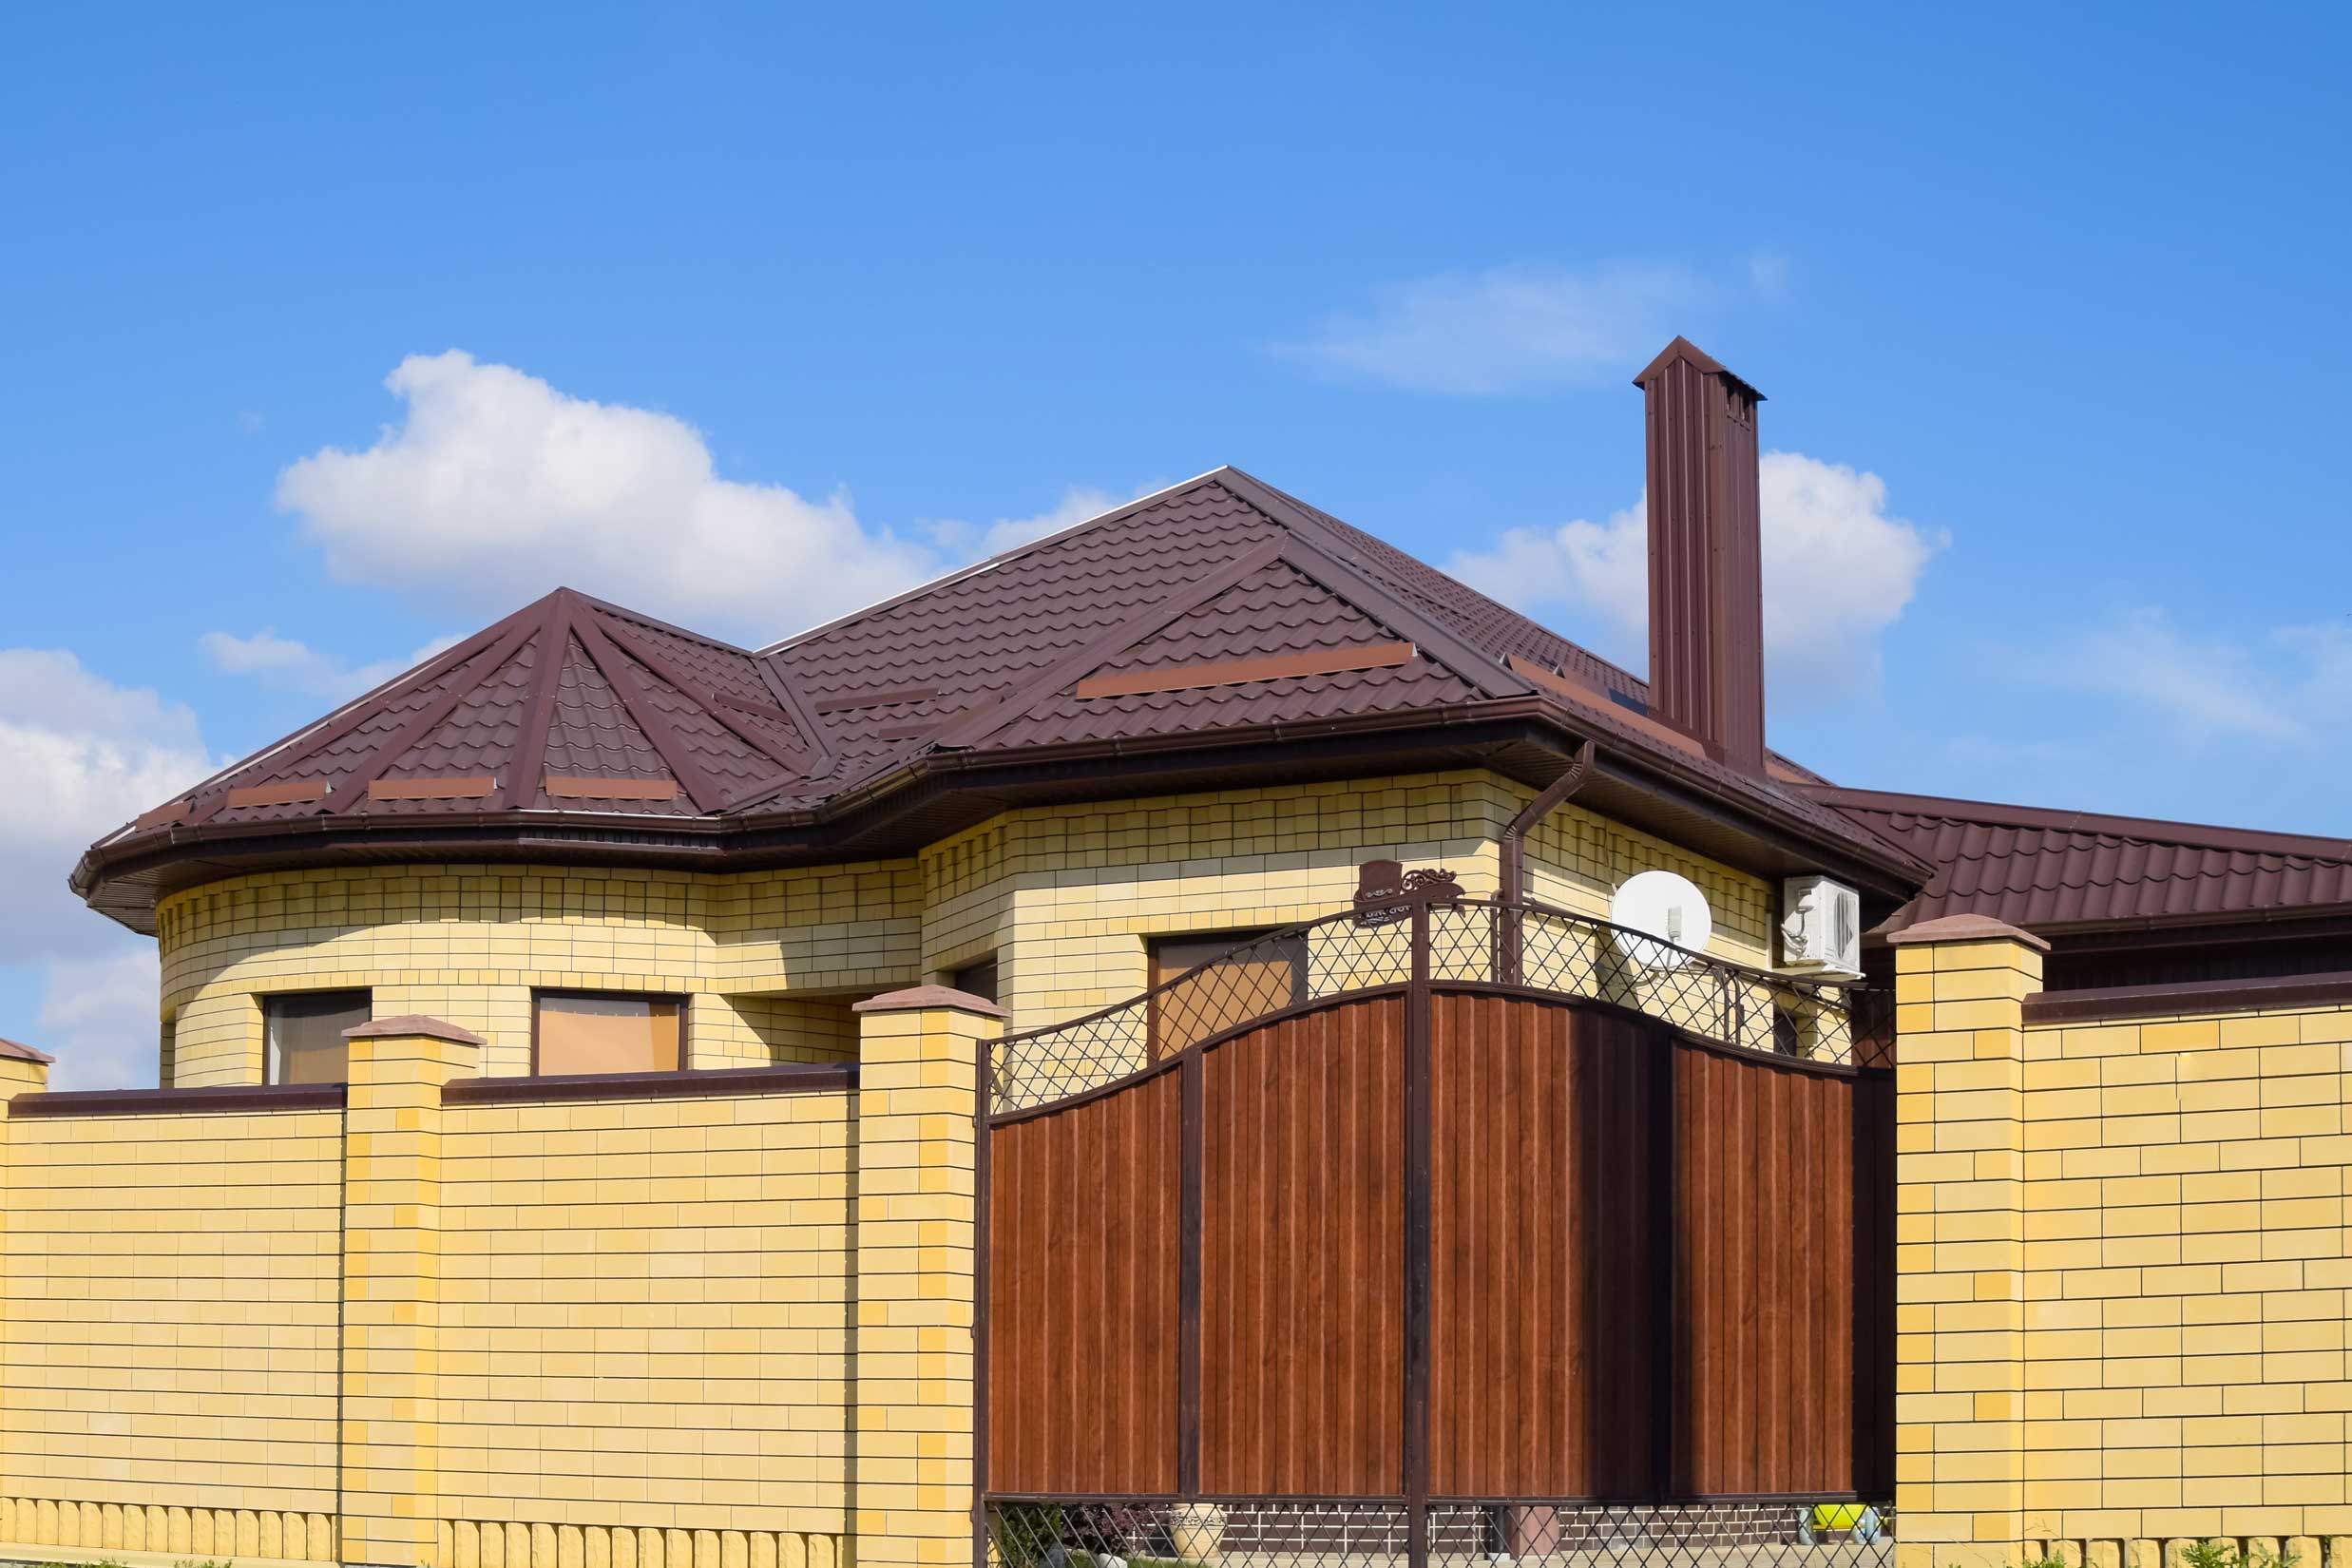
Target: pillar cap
<point>1966,927</point>
<point>411,1024</point>
<point>15,1052</point>
<point>916,998</point>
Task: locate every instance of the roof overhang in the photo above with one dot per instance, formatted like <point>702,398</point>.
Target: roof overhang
<point>938,793</point>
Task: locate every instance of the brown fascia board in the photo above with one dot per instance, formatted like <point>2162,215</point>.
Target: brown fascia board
<point>856,822</point>
<point>2198,835</point>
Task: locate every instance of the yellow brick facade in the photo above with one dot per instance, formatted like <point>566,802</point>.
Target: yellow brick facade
<point>2123,1275</point>
<point>1068,898</point>
<point>470,944</point>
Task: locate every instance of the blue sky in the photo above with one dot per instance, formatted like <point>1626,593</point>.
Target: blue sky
<point>837,298</point>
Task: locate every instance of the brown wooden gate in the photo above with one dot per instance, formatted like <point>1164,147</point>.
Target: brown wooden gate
<point>1444,1239</point>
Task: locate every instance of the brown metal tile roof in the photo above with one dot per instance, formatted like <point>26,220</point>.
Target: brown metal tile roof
<point>987,663</point>
<point>2056,870</point>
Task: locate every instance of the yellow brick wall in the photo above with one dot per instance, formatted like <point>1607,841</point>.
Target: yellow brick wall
<point>644,1317</point>
<point>170,1314</point>
<point>2123,1275</point>
<point>469,944</point>
<point>1069,898</point>
<point>2185,1271</point>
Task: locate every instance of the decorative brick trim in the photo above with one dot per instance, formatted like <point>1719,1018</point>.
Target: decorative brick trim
<point>798,1078</point>
<point>2196,996</point>
<point>229,1097</point>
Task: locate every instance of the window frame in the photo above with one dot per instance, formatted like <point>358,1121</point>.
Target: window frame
<point>989,961</point>
<point>1158,974</point>
<point>686,1027</point>
<point>265,998</point>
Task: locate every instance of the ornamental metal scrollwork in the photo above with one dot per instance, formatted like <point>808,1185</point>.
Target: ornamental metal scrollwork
<point>1385,891</point>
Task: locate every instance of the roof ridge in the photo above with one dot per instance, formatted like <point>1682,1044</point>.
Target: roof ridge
<point>992,563</point>
<point>1474,664</point>
<point>1346,533</point>
<point>2146,829</point>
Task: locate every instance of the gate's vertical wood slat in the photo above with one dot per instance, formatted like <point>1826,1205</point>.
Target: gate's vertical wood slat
<point>1569,1363</point>
<point>1386,1239</point>
<point>1190,1111</point>
<point>1663,1243</point>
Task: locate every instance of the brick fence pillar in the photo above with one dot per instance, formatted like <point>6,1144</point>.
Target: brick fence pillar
<point>22,1071</point>
<point>919,1054</point>
<point>1961,1303</point>
<point>392,1283</point>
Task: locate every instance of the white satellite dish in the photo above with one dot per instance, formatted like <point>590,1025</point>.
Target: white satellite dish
<point>1659,903</point>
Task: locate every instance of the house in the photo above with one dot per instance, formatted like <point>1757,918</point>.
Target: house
<point>1200,1035</point>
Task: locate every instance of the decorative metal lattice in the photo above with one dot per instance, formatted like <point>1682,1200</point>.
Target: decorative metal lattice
<point>1530,947</point>
<point>1289,1533</point>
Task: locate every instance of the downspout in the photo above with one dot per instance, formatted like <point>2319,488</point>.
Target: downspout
<point>1513,857</point>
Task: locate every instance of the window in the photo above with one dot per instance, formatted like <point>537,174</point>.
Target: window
<point>1271,974</point>
<point>978,979</point>
<point>607,1032</point>
<point>304,1035</point>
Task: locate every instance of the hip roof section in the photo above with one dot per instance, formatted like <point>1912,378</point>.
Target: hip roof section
<point>1216,611</point>
<point>2058,870</point>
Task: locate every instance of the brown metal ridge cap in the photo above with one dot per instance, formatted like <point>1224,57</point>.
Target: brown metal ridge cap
<point>793,1078</point>
<point>1965,927</point>
<point>2193,995</point>
<point>1125,508</point>
<point>1314,550</point>
<point>2256,840</point>
<point>18,1051</point>
<point>219,1098</point>
<point>621,612</point>
<point>1683,349</point>
<point>1327,527</point>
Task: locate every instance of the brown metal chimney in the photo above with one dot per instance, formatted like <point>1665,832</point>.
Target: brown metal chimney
<point>1706,554</point>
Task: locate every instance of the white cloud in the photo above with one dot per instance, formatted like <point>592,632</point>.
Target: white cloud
<point>2291,685</point>
<point>291,666</point>
<point>1508,329</point>
<point>99,1018</point>
<point>80,756</point>
<point>495,487</point>
<point>1838,571</point>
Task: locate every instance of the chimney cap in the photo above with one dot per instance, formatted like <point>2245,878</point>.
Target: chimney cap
<point>1683,349</point>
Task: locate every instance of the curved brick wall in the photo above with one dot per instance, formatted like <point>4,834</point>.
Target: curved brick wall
<point>1067,897</point>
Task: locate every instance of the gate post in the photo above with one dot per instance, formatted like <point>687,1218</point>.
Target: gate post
<point>1417,1136</point>
<point>389,1499</point>
<point>1960,1488</point>
<point>912,1482</point>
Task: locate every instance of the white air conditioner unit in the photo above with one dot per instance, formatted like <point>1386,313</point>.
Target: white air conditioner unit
<point>1820,926</point>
